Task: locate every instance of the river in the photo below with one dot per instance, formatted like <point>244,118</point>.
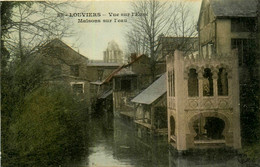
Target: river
<point>124,146</point>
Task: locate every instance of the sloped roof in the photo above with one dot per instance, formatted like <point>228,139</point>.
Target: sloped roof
<point>234,8</point>
<point>153,92</point>
<point>58,42</point>
<point>105,94</point>
<point>101,64</point>
<point>120,68</point>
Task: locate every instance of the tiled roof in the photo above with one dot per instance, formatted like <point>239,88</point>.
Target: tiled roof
<point>234,8</point>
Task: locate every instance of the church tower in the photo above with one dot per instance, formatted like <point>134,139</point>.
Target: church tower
<point>113,53</point>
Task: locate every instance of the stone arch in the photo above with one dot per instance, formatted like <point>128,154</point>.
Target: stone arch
<point>209,114</point>
<point>223,66</point>
<point>187,70</point>
<point>207,66</point>
<point>208,82</point>
<point>193,83</point>
<point>227,67</point>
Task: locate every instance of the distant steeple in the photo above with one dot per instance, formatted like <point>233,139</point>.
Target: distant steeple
<point>113,54</point>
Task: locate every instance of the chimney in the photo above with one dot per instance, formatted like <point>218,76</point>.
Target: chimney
<point>133,56</point>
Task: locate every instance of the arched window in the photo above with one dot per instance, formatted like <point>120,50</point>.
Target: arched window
<point>222,82</point>
<point>172,124</point>
<point>171,83</point>
<point>193,90</point>
<point>207,83</point>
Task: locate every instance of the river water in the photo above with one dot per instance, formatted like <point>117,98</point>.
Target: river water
<point>124,145</point>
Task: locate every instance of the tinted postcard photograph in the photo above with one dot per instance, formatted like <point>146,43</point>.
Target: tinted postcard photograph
<point>130,83</point>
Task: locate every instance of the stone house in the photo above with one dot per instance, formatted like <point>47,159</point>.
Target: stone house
<point>65,65</point>
<point>234,24</point>
<point>151,107</point>
<point>230,24</point>
<point>97,72</point>
<point>203,101</point>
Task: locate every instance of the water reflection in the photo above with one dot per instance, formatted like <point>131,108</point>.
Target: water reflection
<point>126,145</point>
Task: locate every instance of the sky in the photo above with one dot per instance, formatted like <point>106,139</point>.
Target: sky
<point>91,39</point>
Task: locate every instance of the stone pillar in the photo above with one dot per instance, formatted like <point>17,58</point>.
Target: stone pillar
<point>180,98</point>
<point>200,78</point>
<point>215,83</point>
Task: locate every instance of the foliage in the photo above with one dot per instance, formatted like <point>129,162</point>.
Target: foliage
<point>48,130</point>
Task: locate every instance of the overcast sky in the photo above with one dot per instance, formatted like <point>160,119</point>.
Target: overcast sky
<point>91,39</point>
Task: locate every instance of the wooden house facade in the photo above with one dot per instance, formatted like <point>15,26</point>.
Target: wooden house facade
<point>151,107</point>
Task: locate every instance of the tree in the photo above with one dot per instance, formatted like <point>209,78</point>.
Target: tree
<point>25,26</point>
<point>157,18</point>
<point>34,23</point>
<point>49,130</point>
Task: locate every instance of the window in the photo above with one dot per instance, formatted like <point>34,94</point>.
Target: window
<point>246,50</point>
<point>222,82</point>
<point>160,119</point>
<point>243,25</point>
<point>74,70</point>
<point>204,51</point>
<point>193,89</point>
<point>171,83</point>
<point>208,49</point>
<point>207,83</point>
<point>125,84</point>
<point>77,88</point>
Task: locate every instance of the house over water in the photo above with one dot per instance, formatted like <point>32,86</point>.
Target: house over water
<point>224,25</point>
<point>151,108</point>
<point>203,101</point>
<point>128,81</point>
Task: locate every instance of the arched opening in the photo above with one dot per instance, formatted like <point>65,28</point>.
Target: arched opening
<point>193,89</point>
<point>172,124</point>
<point>209,128</point>
<point>207,83</point>
<point>173,84</point>
<point>222,82</point>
